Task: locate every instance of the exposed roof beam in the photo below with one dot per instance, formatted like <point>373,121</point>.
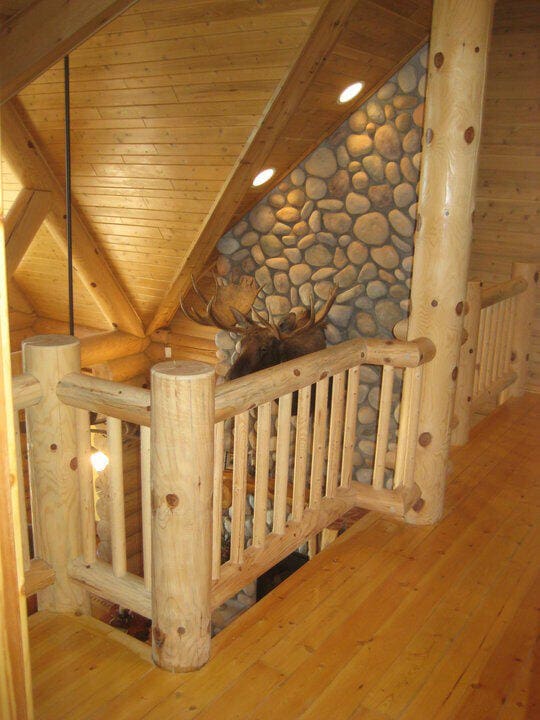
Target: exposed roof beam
<point>22,153</point>
<point>22,223</point>
<point>285,102</point>
<point>35,39</point>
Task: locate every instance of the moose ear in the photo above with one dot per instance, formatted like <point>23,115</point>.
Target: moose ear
<point>288,323</point>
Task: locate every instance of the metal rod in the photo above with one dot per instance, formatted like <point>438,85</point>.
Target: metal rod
<point>68,195</point>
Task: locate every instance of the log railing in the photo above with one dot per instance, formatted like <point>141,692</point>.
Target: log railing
<point>184,576</point>
<point>494,355</point>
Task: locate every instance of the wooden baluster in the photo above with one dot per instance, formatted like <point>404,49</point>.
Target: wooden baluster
<point>385,408</point>
<point>146,503</point>
<point>20,488</point>
<point>335,436</point>
<point>497,342</point>
<point>116,494</point>
<point>408,426</point>
<point>319,443</point>
<point>481,353</point>
<point>349,429</point>
<point>507,324</point>
<point>282,463</point>
<point>217,510</point>
<point>301,452</point>
<point>262,464</point>
<point>86,486</point>
<point>508,348</point>
<point>490,346</point>
<point>484,364</point>
<point>239,485</point>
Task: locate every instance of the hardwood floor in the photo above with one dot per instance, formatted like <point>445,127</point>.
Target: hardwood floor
<point>391,621</point>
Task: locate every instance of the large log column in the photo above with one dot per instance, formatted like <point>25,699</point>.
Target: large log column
<point>455,91</point>
<point>52,462</point>
<point>182,461</point>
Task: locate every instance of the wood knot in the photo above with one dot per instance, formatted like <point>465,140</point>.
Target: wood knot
<point>535,277</point>
<point>296,372</point>
<point>30,144</point>
<point>454,373</point>
<point>74,463</point>
<point>172,500</point>
<point>181,630</point>
<point>424,439</point>
<point>513,356</point>
<point>438,60</point>
<point>477,49</point>
<point>434,303</point>
<point>429,135</point>
<point>93,284</point>
<point>388,342</point>
<point>54,447</point>
<point>459,308</point>
<point>323,375</point>
<point>418,505</point>
<point>159,636</point>
<point>469,135</point>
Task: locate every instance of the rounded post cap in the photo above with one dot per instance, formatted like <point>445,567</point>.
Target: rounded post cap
<point>184,369</point>
<point>50,341</point>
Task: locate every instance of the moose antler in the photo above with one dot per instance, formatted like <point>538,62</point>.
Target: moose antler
<point>228,308</point>
<point>313,319</point>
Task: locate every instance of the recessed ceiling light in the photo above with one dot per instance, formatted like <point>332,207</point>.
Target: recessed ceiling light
<point>351,92</point>
<point>263,176</point>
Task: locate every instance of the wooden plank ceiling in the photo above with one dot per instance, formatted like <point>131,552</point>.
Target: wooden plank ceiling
<point>167,102</point>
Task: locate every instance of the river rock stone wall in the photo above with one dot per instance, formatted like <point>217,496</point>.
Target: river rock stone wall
<point>344,216</point>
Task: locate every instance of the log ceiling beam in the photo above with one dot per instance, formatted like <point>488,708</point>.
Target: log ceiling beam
<point>22,223</point>
<point>286,101</point>
<point>23,155</point>
<point>35,39</point>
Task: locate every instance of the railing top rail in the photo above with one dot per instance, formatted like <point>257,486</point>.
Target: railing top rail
<point>502,291</point>
<point>26,391</point>
<point>133,404</point>
<point>248,392</point>
<point>110,398</point>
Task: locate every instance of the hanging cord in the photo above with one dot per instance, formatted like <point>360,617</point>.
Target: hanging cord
<point>68,196</point>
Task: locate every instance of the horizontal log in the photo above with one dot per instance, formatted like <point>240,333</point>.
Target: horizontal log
<point>26,391</point>
<point>248,392</point>
<point>104,396</point>
<point>123,368</point>
<point>127,591</point>
<point>493,390</point>
<point>50,326</point>
<point>258,560</point>
<point>502,291</point>
<point>40,575</point>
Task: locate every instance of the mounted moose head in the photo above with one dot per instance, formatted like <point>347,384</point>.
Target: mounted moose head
<point>264,342</point>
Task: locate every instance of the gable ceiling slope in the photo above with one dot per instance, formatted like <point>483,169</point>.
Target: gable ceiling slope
<point>178,103</point>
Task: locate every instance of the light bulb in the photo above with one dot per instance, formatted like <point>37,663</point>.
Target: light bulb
<point>99,461</point>
<point>263,176</point>
<point>351,92</point>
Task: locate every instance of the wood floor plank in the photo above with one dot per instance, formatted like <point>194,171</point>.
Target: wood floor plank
<point>391,622</point>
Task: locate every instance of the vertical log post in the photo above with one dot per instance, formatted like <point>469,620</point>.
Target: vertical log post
<point>53,462</point>
<point>182,442</point>
<point>522,331</point>
<point>456,80</point>
<point>467,365</point>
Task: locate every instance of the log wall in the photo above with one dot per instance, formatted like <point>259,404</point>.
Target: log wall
<point>506,225</point>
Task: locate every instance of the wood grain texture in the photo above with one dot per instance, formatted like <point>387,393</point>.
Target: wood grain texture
<point>456,80</point>
<point>346,636</point>
<point>506,227</point>
<point>15,681</point>
<point>46,31</point>
<point>182,447</point>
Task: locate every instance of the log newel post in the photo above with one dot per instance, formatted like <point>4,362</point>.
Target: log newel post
<point>467,365</point>
<point>53,463</point>
<point>182,455</point>
<point>453,119</point>
<point>522,329</point>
